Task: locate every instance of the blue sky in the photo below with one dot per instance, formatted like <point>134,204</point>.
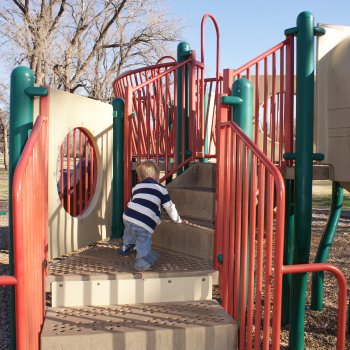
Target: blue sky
<point>249,27</point>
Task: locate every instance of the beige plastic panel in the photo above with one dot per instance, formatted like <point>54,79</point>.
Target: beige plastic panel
<point>68,111</point>
<point>332,122</point>
<point>131,291</point>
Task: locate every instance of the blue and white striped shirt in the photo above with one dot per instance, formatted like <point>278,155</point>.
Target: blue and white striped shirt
<point>144,207</point>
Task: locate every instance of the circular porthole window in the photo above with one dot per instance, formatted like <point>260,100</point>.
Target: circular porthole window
<point>77,172</point>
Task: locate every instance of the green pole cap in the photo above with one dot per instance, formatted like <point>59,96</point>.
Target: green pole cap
<point>183,51</point>
<point>304,16</point>
<point>23,71</point>
<point>118,104</point>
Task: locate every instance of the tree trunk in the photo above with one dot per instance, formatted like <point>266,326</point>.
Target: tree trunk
<point>6,157</point>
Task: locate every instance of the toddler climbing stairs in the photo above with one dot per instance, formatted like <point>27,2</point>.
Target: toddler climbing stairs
<point>98,301</point>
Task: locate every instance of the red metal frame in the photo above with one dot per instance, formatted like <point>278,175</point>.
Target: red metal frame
<point>249,233</point>
<point>151,134</point>
<point>30,234</point>
<point>275,115</point>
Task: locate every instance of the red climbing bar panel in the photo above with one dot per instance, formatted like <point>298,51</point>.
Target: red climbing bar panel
<point>249,221</point>
<point>30,226</point>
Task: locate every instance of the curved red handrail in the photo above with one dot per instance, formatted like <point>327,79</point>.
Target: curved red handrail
<point>209,15</point>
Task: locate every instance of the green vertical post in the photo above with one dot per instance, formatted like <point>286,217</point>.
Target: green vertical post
<point>21,124</point>
<point>242,113</point>
<point>305,32</point>
<point>118,167</point>
<point>325,245</point>
<point>288,249</point>
<point>183,53</point>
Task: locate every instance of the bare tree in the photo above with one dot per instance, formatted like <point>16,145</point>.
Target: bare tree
<point>81,45</point>
<point>4,119</point>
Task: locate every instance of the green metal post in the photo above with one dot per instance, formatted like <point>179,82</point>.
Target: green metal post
<point>118,167</point>
<point>183,53</point>
<point>242,113</point>
<point>21,124</point>
<point>305,32</point>
<point>325,245</point>
<point>288,249</point>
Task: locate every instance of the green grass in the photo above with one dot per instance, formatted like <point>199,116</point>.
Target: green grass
<point>322,195</point>
<point>4,193</point>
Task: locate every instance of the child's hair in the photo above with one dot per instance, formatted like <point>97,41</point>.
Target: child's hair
<point>147,169</point>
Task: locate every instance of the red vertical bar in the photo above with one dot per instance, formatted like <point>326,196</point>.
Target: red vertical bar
<point>279,244</point>
<point>257,103</point>
<point>268,263</point>
<point>68,174</point>
<point>148,120</point>
<point>75,172</point>
<point>86,172</point>
<point>167,109</point>
<point>288,127</point>
<point>183,113</point>
<point>127,145</point>
<point>252,226</point>
<point>244,267</point>
<point>259,259</point>
<point>80,171</point>
<point>266,86</point>
<point>281,109</point>
<point>231,217</point>
<point>273,109</point>
<point>238,228</point>
<point>225,237</point>
<point>61,175</point>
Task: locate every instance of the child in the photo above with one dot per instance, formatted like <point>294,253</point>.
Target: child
<point>143,215</point>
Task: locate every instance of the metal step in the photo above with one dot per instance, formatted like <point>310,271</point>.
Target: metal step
<point>195,325</point>
<point>100,276</point>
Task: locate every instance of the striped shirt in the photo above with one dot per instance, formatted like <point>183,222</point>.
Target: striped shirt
<point>144,207</point>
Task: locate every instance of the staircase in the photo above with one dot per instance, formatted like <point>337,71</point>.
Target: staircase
<point>193,193</point>
<point>98,301</point>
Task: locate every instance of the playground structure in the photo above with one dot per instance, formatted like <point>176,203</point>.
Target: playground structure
<point>242,120</point>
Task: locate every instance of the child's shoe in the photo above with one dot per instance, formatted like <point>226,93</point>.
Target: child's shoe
<point>126,249</point>
<point>141,264</point>
<point>152,257</point>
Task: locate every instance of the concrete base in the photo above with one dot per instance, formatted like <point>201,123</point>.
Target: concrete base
<point>162,326</point>
<point>197,203</point>
<point>100,276</point>
<point>195,239</point>
<point>131,291</point>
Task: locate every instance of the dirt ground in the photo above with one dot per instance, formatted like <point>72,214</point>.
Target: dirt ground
<point>320,326</point>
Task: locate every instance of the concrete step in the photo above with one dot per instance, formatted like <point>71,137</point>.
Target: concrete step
<point>98,275</point>
<point>202,175</point>
<point>197,202</point>
<point>196,325</point>
<point>195,239</point>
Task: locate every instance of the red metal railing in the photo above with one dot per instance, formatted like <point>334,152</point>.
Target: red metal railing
<point>272,77</point>
<point>30,226</point>
<point>78,172</point>
<point>150,122</point>
<point>249,235</point>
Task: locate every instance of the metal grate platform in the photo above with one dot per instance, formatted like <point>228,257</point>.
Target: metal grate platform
<point>73,328</point>
<point>103,259</point>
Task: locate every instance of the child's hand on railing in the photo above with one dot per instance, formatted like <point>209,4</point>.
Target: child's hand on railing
<point>185,222</point>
